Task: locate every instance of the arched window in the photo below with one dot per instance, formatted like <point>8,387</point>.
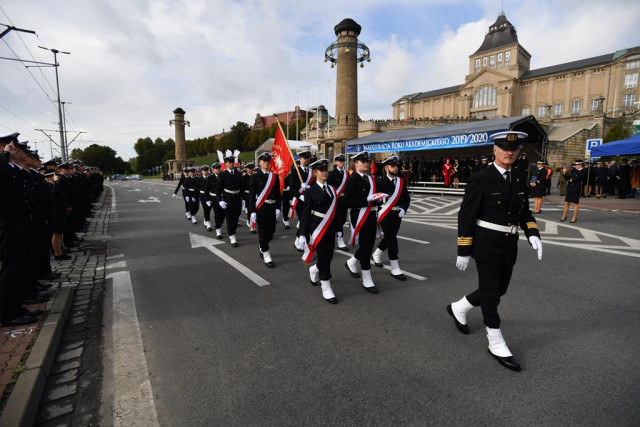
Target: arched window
<point>485,96</point>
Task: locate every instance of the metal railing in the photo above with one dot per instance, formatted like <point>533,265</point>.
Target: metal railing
<point>428,187</point>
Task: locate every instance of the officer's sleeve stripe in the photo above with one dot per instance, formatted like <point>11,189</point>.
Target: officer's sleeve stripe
<point>531,225</point>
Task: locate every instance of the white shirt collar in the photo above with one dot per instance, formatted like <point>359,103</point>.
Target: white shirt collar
<point>361,174</point>
<point>501,170</point>
<point>321,185</point>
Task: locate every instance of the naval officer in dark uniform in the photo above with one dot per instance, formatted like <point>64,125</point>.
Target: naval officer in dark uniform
<point>394,209</point>
<point>494,206</point>
<point>337,178</point>
<point>181,181</point>
<point>362,199</point>
<point>229,192</point>
<point>264,205</point>
<point>248,171</point>
<point>318,201</point>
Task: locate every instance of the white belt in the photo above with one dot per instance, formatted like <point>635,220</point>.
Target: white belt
<point>318,214</point>
<point>395,208</point>
<point>286,189</point>
<point>212,194</point>
<point>247,191</point>
<point>511,229</point>
<point>202,191</point>
<point>231,191</point>
<point>269,201</point>
<point>191,189</point>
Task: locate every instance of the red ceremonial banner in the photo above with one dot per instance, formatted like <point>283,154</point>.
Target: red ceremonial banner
<point>282,161</point>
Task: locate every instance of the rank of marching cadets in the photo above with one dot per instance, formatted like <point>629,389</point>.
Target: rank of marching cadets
<point>321,201</point>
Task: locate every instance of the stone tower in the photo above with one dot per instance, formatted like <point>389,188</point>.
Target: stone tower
<point>176,165</point>
<point>349,52</point>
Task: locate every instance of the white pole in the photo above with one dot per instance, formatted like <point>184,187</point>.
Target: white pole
<point>297,108</point>
<point>287,118</point>
<point>306,117</point>
<point>318,115</point>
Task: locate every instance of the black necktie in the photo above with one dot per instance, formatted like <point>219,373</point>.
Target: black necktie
<point>508,174</point>
<point>326,190</point>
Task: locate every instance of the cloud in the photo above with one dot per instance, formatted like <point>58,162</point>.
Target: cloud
<point>133,63</point>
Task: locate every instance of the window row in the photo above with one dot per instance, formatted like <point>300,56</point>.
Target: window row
<point>485,96</point>
<point>631,80</point>
<point>557,109</point>
<point>494,61</point>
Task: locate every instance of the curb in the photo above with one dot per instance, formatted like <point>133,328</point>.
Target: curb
<point>22,405</point>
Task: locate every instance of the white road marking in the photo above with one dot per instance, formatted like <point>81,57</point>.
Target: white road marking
<point>118,256</point>
<point>133,402</point>
<point>113,198</point>
<point>198,241</point>
<point>119,264</point>
<point>135,189</point>
<point>151,199</point>
<point>388,267</point>
<point>423,242</point>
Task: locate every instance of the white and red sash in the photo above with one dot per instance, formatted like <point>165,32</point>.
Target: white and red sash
<point>295,200</point>
<point>265,191</point>
<point>340,189</point>
<point>321,229</point>
<point>363,214</point>
<point>393,199</point>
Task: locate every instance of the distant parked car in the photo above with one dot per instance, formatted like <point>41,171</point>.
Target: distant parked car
<point>134,178</point>
<point>119,177</point>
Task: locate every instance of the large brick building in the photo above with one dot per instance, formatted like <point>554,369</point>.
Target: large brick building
<point>573,101</point>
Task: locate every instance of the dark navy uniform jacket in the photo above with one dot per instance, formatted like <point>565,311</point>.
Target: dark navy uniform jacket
<point>256,186</point>
<point>489,196</point>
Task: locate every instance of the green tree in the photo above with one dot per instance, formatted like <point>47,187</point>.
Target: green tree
<point>102,157</point>
<point>617,131</point>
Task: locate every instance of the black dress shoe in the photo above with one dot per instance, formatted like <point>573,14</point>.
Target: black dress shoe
<point>400,277</point>
<point>377,264</point>
<point>219,237</point>
<point>22,320</point>
<point>344,248</point>
<point>50,276</point>
<point>36,300</point>
<point>371,290</point>
<point>354,275</point>
<point>333,300</point>
<point>286,227</point>
<point>508,362</point>
<point>253,231</point>
<point>462,328</point>
<point>234,245</point>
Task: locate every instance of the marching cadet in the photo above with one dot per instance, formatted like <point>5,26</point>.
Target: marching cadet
<point>264,205</point>
<point>390,215</point>
<point>338,179</point>
<point>361,197</point>
<point>191,184</point>
<point>317,227</point>
<point>185,196</point>
<point>206,209</point>
<point>495,203</point>
<point>248,171</point>
<point>297,189</point>
<point>229,190</point>
<point>211,201</point>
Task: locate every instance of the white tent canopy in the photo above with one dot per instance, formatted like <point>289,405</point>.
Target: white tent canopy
<point>295,146</point>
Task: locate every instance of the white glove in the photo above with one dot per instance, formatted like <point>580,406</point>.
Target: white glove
<point>462,262</point>
<point>302,242</point>
<point>277,214</point>
<point>401,213</point>
<point>174,196</point>
<point>243,204</point>
<point>371,198</point>
<point>223,204</point>
<point>301,197</point>
<point>187,199</point>
<point>209,203</point>
<point>304,186</point>
<point>253,217</point>
<point>536,244</point>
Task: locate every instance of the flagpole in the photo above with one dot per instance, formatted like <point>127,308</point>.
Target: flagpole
<point>286,142</point>
<point>306,118</point>
<point>318,115</point>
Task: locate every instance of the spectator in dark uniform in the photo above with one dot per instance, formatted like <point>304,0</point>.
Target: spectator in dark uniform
<point>602,176</point>
<point>575,179</point>
<point>624,179</point>
<point>494,206</point>
<point>538,186</point>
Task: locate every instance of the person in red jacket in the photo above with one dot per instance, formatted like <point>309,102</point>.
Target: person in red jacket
<point>447,171</point>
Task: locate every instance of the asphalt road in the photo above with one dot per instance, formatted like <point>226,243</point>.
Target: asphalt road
<point>221,350</point>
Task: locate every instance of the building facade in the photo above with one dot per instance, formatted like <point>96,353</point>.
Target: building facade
<point>500,83</point>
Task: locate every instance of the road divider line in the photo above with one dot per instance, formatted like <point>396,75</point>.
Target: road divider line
<point>133,402</point>
<point>423,242</point>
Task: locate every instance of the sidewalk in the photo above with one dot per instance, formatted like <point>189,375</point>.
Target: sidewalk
<point>39,362</point>
<point>611,203</point>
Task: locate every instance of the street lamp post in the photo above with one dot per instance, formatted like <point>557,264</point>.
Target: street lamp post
<point>63,147</point>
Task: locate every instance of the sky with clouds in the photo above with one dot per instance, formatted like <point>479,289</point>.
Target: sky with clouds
<point>133,62</point>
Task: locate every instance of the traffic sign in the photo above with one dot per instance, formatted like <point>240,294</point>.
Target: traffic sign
<point>591,144</point>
